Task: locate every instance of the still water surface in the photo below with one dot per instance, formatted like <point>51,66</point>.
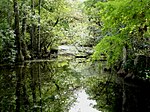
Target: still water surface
<point>68,86</point>
<point>83,104</point>
<point>48,86</point>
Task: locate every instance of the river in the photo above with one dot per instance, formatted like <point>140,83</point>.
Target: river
<point>48,86</point>
<point>74,85</point>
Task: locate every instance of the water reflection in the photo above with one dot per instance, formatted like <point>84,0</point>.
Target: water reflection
<point>55,86</point>
<point>37,87</point>
<point>116,95</point>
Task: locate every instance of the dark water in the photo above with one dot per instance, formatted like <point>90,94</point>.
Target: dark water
<point>52,87</point>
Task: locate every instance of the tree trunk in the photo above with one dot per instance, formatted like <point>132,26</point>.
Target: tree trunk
<point>32,32</point>
<point>19,56</point>
<point>9,14</point>
<point>39,22</point>
<point>24,46</point>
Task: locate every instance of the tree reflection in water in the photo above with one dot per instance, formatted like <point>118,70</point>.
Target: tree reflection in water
<point>37,87</point>
<point>50,87</point>
<point>117,95</point>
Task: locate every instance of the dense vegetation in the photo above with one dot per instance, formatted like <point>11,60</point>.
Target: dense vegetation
<point>33,29</point>
<point>119,29</point>
<point>30,29</point>
<point>124,27</point>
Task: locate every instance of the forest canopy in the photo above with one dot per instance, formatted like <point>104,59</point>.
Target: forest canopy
<point>31,27</point>
<point>124,23</point>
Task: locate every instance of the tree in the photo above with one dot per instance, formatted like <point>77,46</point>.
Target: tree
<point>95,23</point>
<point>125,25</point>
<point>7,37</point>
<point>30,27</point>
<point>19,56</point>
<point>39,22</point>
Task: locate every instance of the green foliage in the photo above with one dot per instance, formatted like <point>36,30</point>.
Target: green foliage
<point>53,18</point>
<point>124,15</point>
<point>124,22</point>
<point>5,31</point>
<point>7,48</point>
<point>93,16</point>
<point>7,37</point>
<point>111,47</point>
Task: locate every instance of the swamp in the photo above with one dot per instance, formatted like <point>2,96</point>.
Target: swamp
<point>74,56</point>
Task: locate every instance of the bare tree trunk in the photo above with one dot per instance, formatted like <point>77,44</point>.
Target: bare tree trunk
<point>19,56</point>
<point>32,32</point>
<point>39,32</point>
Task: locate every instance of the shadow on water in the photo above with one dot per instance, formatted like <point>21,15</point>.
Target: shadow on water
<point>113,94</point>
<point>52,87</point>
